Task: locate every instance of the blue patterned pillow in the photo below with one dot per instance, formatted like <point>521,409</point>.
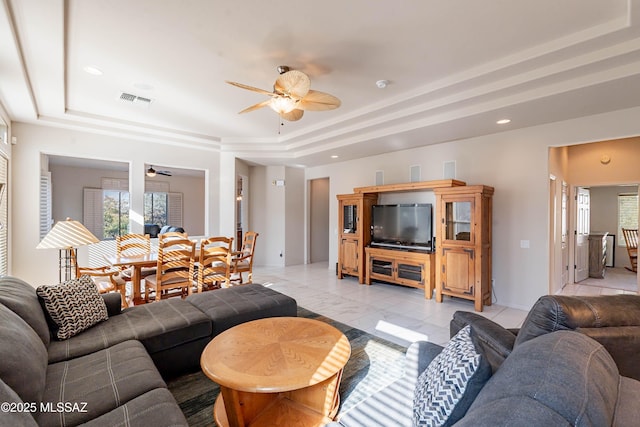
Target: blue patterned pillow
<point>451,382</point>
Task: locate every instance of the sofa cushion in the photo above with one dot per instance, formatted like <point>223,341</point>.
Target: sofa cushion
<point>14,412</point>
<point>232,306</point>
<point>561,378</point>
<point>627,408</point>
<point>21,298</point>
<point>23,357</point>
<point>74,305</point>
<point>159,325</point>
<point>156,408</point>
<point>98,383</point>
<point>446,389</point>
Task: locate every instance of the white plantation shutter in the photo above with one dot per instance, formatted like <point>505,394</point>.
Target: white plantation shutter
<point>92,215</point>
<point>174,214</point>
<point>46,220</point>
<point>118,184</point>
<point>4,216</point>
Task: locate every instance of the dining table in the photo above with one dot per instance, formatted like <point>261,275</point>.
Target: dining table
<point>137,262</point>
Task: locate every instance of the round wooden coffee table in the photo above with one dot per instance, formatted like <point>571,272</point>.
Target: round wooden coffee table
<point>279,371</point>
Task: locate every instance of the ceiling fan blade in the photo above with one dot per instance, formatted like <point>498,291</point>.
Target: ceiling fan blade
<point>319,101</point>
<point>256,106</point>
<point>293,83</point>
<point>165,173</point>
<point>293,115</point>
<point>254,89</point>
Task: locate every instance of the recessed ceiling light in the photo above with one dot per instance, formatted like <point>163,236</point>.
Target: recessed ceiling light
<point>335,156</point>
<point>382,83</point>
<point>92,70</point>
<point>503,121</point>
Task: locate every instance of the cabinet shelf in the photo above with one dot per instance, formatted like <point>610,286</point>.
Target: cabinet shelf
<point>414,269</point>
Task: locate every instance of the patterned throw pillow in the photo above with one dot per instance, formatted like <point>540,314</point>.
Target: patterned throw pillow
<point>453,379</point>
<point>74,305</point>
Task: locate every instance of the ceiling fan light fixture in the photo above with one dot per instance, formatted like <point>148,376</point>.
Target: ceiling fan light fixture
<point>283,104</point>
<point>151,172</point>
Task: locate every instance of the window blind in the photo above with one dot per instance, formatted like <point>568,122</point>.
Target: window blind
<point>46,220</point>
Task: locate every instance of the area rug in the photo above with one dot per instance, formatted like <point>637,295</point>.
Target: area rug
<point>374,363</point>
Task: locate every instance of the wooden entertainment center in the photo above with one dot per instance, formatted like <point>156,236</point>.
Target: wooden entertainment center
<point>459,267</point>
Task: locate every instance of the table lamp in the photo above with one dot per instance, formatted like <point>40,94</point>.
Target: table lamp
<point>66,236</point>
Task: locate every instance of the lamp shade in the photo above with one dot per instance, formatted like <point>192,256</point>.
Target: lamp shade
<point>66,235</point>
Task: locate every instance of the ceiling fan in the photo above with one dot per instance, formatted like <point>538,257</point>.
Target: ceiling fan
<point>291,95</point>
<point>151,172</point>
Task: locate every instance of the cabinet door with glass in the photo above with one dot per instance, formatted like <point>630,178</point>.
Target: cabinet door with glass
<point>457,220</point>
<point>354,223</point>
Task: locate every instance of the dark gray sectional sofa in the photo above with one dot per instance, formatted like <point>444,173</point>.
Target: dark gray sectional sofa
<point>112,373</point>
<point>572,363</point>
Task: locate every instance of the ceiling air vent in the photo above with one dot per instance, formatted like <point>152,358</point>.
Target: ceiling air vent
<point>134,99</point>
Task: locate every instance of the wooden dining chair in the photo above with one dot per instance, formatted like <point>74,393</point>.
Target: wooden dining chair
<point>243,260</point>
<point>174,269</point>
<point>134,244</point>
<point>106,279</point>
<point>214,263</point>
<point>631,240</point>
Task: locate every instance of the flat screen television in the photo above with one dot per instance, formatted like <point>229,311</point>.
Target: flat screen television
<point>403,226</point>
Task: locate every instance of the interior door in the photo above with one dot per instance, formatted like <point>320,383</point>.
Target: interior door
<point>582,233</point>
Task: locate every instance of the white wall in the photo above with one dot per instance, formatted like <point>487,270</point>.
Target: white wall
<point>40,266</point>
<point>267,213</point>
<point>516,163</point>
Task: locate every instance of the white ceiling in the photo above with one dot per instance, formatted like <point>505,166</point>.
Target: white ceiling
<point>454,66</point>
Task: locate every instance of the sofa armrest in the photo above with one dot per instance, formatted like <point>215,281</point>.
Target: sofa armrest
<point>494,341</point>
<point>113,301</point>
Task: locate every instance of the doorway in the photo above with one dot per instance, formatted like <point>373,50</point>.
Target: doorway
<point>583,227</point>
<point>319,220</point>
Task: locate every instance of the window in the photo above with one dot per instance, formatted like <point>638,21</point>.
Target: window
<point>155,208</point>
<point>115,211</point>
<point>627,214</point>
<point>106,211</point>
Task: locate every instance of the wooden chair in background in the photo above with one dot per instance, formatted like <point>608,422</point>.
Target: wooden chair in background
<point>243,260</point>
<point>174,269</point>
<point>214,263</point>
<point>106,279</point>
<point>631,239</point>
<point>130,245</point>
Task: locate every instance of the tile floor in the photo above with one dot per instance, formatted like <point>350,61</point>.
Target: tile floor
<point>397,313</point>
